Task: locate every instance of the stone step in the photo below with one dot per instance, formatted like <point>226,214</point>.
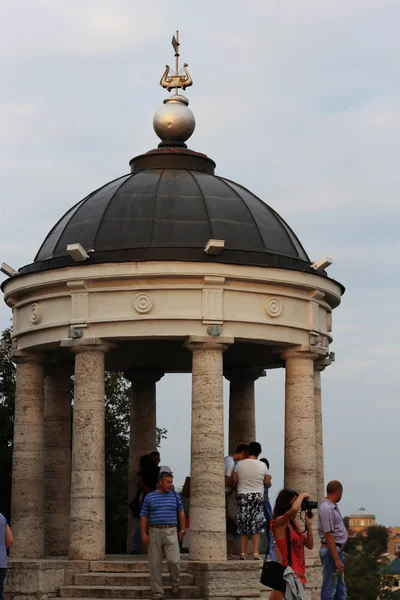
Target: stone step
<point>126,579</point>
<point>128,566</point>
<point>112,591</point>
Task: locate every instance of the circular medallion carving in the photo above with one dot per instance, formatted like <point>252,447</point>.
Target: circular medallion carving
<point>35,313</point>
<point>273,307</point>
<point>143,303</point>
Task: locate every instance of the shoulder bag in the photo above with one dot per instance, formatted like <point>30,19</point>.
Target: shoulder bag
<point>272,571</point>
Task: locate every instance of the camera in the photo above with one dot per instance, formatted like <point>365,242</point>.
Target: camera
<point>308,506</point>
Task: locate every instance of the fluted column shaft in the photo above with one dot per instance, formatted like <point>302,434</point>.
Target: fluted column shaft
<point>57,458</point>
<point>87,509</point>
<point>242,419</point>
<point>27,498</point>
<point>207,495</point>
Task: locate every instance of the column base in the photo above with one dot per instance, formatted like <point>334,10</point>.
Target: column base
<point>227,579</point>
<point>35,579</point>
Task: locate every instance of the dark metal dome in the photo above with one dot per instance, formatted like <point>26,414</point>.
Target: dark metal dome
<point>167,209</point>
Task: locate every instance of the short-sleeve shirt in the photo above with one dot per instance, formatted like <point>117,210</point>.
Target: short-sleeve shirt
<point>161,508</point>
<point>330,519</point>
<point>229,465</point>
<point>251,474</point>
<point>3,549</point>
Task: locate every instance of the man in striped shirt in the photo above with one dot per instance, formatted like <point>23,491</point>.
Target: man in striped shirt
<point>158,524</point>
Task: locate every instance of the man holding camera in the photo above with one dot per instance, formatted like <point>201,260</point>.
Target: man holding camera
<point>333,534</point>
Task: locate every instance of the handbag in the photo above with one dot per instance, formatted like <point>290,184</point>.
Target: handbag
<point>272,571</point>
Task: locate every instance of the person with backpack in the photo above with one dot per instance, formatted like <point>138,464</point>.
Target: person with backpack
<point>286,531</point>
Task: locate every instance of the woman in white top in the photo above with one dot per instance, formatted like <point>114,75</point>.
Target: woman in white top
<point>250,475</point>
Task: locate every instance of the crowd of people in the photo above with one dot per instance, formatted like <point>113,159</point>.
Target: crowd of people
<point>249,514</point>
<point>162,524</point>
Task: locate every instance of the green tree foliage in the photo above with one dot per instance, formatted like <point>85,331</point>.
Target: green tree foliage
<point>117,410</point>
<point>7,395</point>
<point>117,393</point>
<point>365,566</point>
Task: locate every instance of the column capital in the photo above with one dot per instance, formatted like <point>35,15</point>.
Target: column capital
<point>88,345</point>
<point>20,357</point>
<point>244,374</point>
<point>303,352</point>
<point>206,342</point>
<point>320,365</point>
<point>143,375</point>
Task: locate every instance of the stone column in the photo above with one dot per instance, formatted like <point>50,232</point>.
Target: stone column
<point>242,420</point>
<point>300,437</point>
<point>301,443</point>
<point>207,501</point>
<point>143,430</point>
<point>319,366</point>
<point>87,512</point>
<point>27,498</point>
<point>57,458</point>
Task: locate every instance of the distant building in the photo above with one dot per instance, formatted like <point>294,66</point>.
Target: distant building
<point>360,521</point>
<point>394,541</point>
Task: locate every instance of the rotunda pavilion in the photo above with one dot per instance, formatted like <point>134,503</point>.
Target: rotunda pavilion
<point>169,268</point>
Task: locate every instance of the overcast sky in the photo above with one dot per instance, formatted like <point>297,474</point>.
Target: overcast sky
<point>297,100</point>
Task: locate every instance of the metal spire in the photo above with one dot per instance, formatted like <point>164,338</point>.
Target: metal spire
<point>180,78</point>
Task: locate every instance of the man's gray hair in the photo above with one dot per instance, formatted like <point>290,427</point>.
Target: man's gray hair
<point>164,475</point>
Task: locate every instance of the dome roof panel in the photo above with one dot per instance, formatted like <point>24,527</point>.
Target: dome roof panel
<point>175,203</point>
<point>179,234</point>
<point>84,224</point>
<point>224,204</point>
<point>271,226</point>
<point>47,248</point>
<point>127,221</point>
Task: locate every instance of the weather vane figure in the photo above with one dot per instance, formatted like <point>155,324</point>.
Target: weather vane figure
<point>180,78</point>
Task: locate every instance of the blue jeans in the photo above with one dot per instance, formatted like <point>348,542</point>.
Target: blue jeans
<point>136,538</point>
<point>268,533</point>
<point>3,573</point>
<point>333,586</point>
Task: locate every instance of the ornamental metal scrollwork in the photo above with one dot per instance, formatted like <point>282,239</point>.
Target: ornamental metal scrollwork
<point>143,303</point>
<point>35,313</point>
<point>273,307</point>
